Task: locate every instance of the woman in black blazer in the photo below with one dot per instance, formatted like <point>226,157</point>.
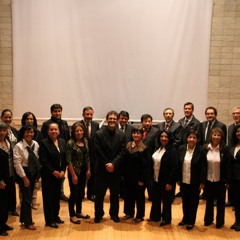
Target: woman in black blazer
<point>13,137</point>
<point>192,177</point>
<point>52,155</point>
<point>6,171</point>
<point>165,167</point>
<point>217,177</point>
<point>235,174</point>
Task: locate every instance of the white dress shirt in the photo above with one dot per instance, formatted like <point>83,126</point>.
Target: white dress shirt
<point>157,157</point>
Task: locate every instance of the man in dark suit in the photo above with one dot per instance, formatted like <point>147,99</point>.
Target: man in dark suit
<point>205,127</point>
<point>188,122</point>
<point>174,127</point>
<point>90,129</point>
<point>236,118</point>
<point>123,118</point>
<point>124,126</point>
<point>149,139</point>
<point>56,117</point>
<point>110,145</point>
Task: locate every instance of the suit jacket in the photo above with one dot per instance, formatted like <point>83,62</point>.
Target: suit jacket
<point>230,133</point>
<point>169,166</point>
<point>234,165</point>
<point>198,164</point>
<point>4,164</point>
<point>110,148</point>
<point>91,145</point>
<point>128,132</point>
<point>192,125</point>
<point>52,159</point>
<point>202,129</point>
<point>150,139</point>
<point>176,129</point>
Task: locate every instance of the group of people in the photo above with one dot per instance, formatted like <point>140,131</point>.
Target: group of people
<point>125,158</point>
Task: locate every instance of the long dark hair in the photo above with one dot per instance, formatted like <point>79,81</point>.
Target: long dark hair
<point>219,130</point>
<point>25,128</point>
<point>235,140</point>
<point>170,138</point>
<point>74,126</point>
<point>24,117</point>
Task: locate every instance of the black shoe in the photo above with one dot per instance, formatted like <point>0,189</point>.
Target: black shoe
<point>189,227</point>
<point>179,194</point>
<point>14,213</point>
<point>91,198</point>
<point>137,220</point>
<point>97,219</point>
<point>208,223</point>
<point>7,228</point>
<point>78,215</point>
<point>3,233</point>
<point>233,226</point>
<point>153,220</point>
<point>181,223</point>
<point>126,217</point>
<point>75,222</point>
<point>52,225</point>
<point>163,223</point>
<point>59,221</point>
<point>115,219</point>
<point>64,198</point>
<point>218,226</point>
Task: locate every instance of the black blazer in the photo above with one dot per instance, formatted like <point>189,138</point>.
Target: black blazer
<point>202,129</point>
<point>128,132</point>
<point>150,139</point>
<point>198,164</point>
<point>230,133</point>
<point>169,166</point>
<point>192,125</point>
<point>224,163</point>
<point>50,158</point>
<point>234,165</point>
<point>91,145</point>
<point>110,148</point>
<point>4,165</point>
<point>176,129</point>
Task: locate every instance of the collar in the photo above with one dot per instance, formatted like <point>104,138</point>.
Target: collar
<point>213,149</point>
<point>25,145</point>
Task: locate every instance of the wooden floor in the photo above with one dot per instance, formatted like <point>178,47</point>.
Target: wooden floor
<point>107,229</point>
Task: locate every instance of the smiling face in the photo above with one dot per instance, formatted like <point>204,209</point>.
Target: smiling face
<point>7,118</point>
<point>216,138</point>
<point>53,131</point>
<point>57,113</point>
<point>236,115</point>
<point>28,135</point>
<point>188,110</point>
<point>147,123</point>
<point>78,133</point>
<point>192,140</point>
<point>112,121</point>
<point>164,140</point>
<point>210,115</point>
<point>88,115</point>
<point>3,134</point>
<point>168,115</point>
<point>29,120</point>
<point>137,136</point>
<point>123,120</point>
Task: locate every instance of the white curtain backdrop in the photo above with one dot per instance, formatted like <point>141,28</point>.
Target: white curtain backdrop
<point>134,55</point>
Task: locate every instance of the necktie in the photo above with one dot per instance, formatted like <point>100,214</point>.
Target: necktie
<point>88,130</point>
<point>122,128</point>
<point>208,131</point>
<point>33,164</point>
<point>144,133</point>
<point>167,126</point>
<point>186,123</point>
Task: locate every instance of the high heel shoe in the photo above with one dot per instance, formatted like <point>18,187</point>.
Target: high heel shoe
<point>75,221</point>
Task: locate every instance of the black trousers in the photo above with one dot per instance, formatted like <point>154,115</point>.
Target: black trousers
<point>103,182</point>
<point>215,190</point>
<point>190,200</point>
<point>76,193</point>
<point>27,192</point>
<point>12,202</point>
<point>134,194</point>
<point>236,191</point>
<point>161,203</point>
<point>51,190</point>
<point>3,207</point>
